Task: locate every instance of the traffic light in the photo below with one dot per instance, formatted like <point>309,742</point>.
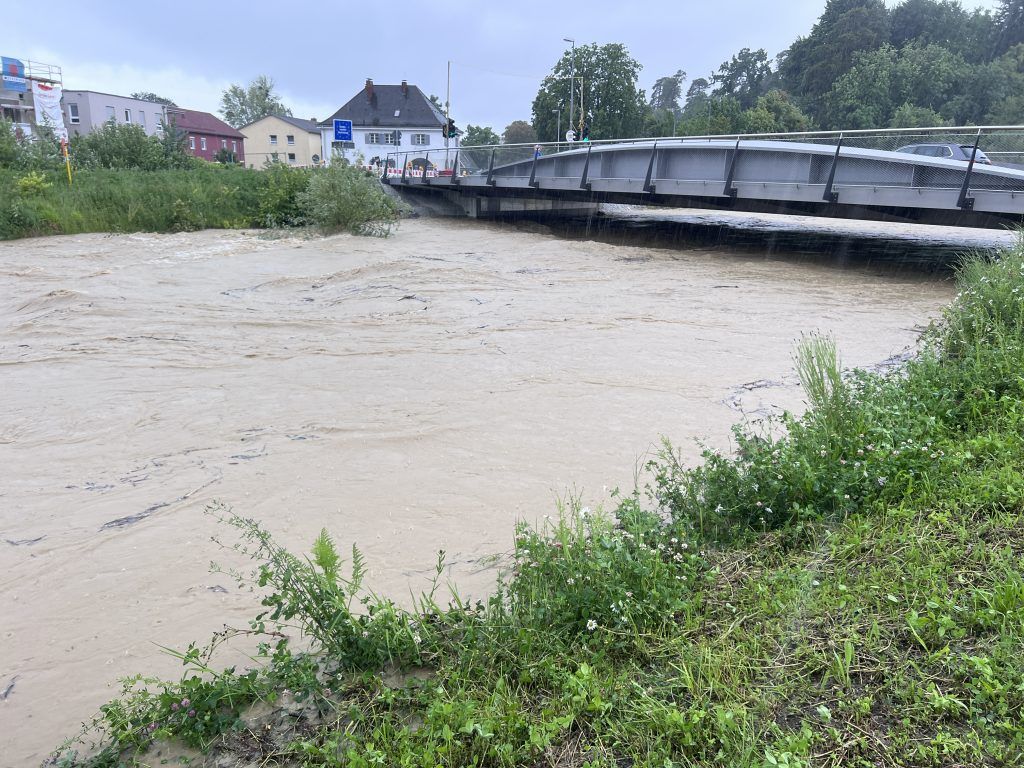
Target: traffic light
<point>449,130</point>
<point>585,133</point>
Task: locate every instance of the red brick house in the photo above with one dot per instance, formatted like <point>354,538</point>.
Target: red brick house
<point>207,135</point>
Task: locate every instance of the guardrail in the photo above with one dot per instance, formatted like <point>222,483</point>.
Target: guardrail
<point>1002,144</point>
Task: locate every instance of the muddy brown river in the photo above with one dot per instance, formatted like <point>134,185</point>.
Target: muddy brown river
<point>412,394</point>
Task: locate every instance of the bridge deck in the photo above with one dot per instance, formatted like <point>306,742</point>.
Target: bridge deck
<point>812,178</point>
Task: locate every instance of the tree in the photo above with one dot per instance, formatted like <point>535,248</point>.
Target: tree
<point>1010,21</point>
<point>150,96</point>
<point>117,146</point>
<point>436,101</point>
<point>667,92</point>
<point>519,132</point>
<point>885,80</point>
<point>242,106</point>
<point>607,97</point>
<point>479,135</point>
<point>812,65</point>
<point>774,113</point>
<point>909,115</point>
<point>744,76</point>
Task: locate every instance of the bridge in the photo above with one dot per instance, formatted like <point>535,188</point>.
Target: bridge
<point>856,174</point>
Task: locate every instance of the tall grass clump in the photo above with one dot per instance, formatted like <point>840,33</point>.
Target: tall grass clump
<point>126,181</point>
<point>344,198</point>
<point>845,589</point>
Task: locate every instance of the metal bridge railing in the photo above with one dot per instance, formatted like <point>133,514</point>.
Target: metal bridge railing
<point>1002,145</point>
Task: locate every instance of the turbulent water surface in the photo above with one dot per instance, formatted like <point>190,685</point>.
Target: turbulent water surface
<point>412,394</point>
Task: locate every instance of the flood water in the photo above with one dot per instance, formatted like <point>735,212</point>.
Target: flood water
<point>412,394</point>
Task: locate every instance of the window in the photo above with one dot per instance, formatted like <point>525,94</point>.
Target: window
<point>223,143</point>
<point>273,139</point>
<point>234,146</point>
<point>202,143</point>
<point>142,118</point>
<point>192,143</point>
<point>273,156</point>
<point>421,139</point>
<point>291,140</point>
<point>128,116</point>
<point>381,138</point>
<point>73,117</point>
<point>291,157</point>
<point>110,113</point>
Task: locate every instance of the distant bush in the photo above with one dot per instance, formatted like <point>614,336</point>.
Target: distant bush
<point>343,198</point>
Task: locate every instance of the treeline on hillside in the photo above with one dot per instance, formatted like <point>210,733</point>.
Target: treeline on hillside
<point>863,65</point>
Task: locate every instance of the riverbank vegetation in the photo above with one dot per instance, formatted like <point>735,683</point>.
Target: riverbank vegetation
<point>845,589</point>
<point>126,181</point>
<point>864,64</point>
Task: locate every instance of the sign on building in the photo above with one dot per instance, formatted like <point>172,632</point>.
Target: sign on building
<point>343,130</point>
<point>13,75</point>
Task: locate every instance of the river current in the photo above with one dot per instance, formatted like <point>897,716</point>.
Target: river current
<point>412,394</point>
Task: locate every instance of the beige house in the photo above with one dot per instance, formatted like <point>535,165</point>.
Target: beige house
<point>290,140</point>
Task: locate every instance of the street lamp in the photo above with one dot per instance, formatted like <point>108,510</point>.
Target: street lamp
<point>572,80</point>
<point>558,130</point>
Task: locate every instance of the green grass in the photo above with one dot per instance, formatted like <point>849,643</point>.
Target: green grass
<point>206,197</point>
<point>848,594</point>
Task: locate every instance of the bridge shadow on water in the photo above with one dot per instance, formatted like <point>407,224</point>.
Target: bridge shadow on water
<point>882,247</point>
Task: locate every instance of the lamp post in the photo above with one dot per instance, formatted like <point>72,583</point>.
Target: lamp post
<point>572,80</point>
<point>558,130</point>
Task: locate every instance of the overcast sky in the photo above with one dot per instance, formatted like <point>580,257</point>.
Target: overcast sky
<point>320,53</point>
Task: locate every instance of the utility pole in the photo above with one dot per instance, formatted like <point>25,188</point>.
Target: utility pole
<point>572,79</point>
<point>558,130</point>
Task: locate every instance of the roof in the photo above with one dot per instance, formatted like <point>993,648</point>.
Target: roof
<point>201,122</point>
<point>310,126</point>
<point>413,109</point>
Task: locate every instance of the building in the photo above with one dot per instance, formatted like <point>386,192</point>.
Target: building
<point>291,140</point>
<point>18,80</point>
<point>388,118</point>
<point>86,111</point>
<point>207,135</point>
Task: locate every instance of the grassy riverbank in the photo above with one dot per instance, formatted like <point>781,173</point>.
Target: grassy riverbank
<point>849,594</point>
<point>205,197</point>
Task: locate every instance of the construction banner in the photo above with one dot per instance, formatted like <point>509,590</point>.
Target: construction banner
<point>48,111</point>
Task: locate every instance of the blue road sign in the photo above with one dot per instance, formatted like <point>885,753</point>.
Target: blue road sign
<point>343,130</point>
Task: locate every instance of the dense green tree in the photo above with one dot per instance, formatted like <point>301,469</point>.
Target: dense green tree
<point>909,115</point>
<point>606,93</point>
<point>810,66</point>
<point>479,135</point>
<point>1010,21</point>
<point>667,92</point>
<point>519,132</point>
<point>150,96</point>
<point>744,76</point>
<point>774,113</point>
<point>972,34</point>
<point>885,80</point>
<point>242,106</point>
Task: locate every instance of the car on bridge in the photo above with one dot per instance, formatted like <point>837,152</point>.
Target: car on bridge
<point>948,151</point>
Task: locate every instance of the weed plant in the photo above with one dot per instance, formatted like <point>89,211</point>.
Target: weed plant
<point>205,197</point>
<point>846,592</point>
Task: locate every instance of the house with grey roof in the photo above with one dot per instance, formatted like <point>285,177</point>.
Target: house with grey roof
<point>388,118</point>
<point>284,139</point>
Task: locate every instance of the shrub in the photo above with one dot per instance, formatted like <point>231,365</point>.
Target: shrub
<point>343,198</point>
<point>118,146</point>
